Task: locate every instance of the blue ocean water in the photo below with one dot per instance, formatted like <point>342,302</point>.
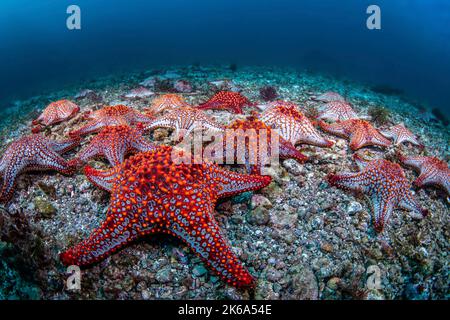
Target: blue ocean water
<point>411,52</point>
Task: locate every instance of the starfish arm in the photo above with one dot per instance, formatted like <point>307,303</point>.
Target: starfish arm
<point>358,140</point>
<point>91,151</point>
<point>208,243</point>
<point>413,140</point>
<point>382,210</point>
<point>9,180</point>
<point>112,235</point>
<point>139,117</point>
<point>313,138</point>
<point>162,122</point>
<point>409,202</point>
<point>38,119</point>
<point>360,161</point>
<point>287,150</point>
<point>92,126</point>
<point>334,128</point>
<point>379,140</point>
<point>232,183</point>
<point>50,160</point>
<point>142,145</point>
<point>65,145</point>
<point>115,153</point>
<point>104,179</point>
<point>415,162</point>
<point>445,183</point>
<point>388,134</point>
<point>348,181</point>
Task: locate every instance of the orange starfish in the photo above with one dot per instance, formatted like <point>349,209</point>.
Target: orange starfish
<point>184,120</point>
<point>233,101</point>
<point>337,111</point>
<point>115,142</point>
<point>166,102</point>
<point>360,132</point>
<point>250,142</point>
<point>293,125</point>
<point>400,134</point>
<point>386,185</point>
<point>111,116</point>
<point>56,112</point>
<point>151,194</point>
<point>433,171</point>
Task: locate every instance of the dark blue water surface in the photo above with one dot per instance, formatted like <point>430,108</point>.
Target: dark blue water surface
<point>411,52</point>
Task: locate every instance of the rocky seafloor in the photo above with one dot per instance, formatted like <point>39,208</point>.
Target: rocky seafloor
<point>299,237</point>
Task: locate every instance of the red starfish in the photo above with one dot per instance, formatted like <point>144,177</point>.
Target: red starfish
<point>386,185</point>
<point>329,97</point>
<point>111,116</point>
<point>400,134</point>
<point>56,112</point>
<point>250,143</point>
<point>293,125</point>
<point>151,194</point>
<point>337,111</point>
<point>33,152</point>
<point>360,132</point>
<point>230,100</point>
<point>433,171</point>
<point>166,102</point>
<point>115,142</point>
<point>184,120</point>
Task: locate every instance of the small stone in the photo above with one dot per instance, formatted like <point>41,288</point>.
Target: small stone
<point>199,271</point>
<point>354,207</point>
<point>327,247</point>
<point>160,134</point>
<point>333,283</point>
<point>164,275</point>
<point>44,207</point>
<point>292,167</point>
<point>260,201</point>
<point>260,216</point>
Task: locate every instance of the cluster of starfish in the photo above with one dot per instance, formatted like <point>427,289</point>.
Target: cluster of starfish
<point>152,192</point>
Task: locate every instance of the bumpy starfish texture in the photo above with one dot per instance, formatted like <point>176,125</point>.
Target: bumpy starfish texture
<point>229,100</point>
<point>385,184</point>
<point>292,125</point>
<point>184,120</point>
<point>166,102</point>
<point>329,97</point>
<point>56,112</point>
<point>337,111</point>
<point>400,134</point>
<point>115,142</point>
<point>250,142</point>
<point>150,193</point>
<point>360,133</point>
<point>111,116</point>
<point>29,153</point>
<point>432,171</point>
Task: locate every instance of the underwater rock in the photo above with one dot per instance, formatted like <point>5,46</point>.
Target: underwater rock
<point>259,216</point>
<point>138,93</point>
<point>182,86</point>
<point>44,207</point>
<point>164,275</point>
<point>199,271</point>
<point>260,201</point>
<point>354,207</point>
<point>304,284</point>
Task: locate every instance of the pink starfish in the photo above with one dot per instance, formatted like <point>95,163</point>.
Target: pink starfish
<point>115,142</point>
<point>337,111</point>
<point>111,116</point>
<point>33,152</point>
<point>167,101</point>
<point>360,132</point>
<point>329,97</point>
<point>184,120</point>
<point>292,125</point>
<point>433,171</point>
<point>400,134</point>
<point>56,112</point>
<point>385,184</point>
